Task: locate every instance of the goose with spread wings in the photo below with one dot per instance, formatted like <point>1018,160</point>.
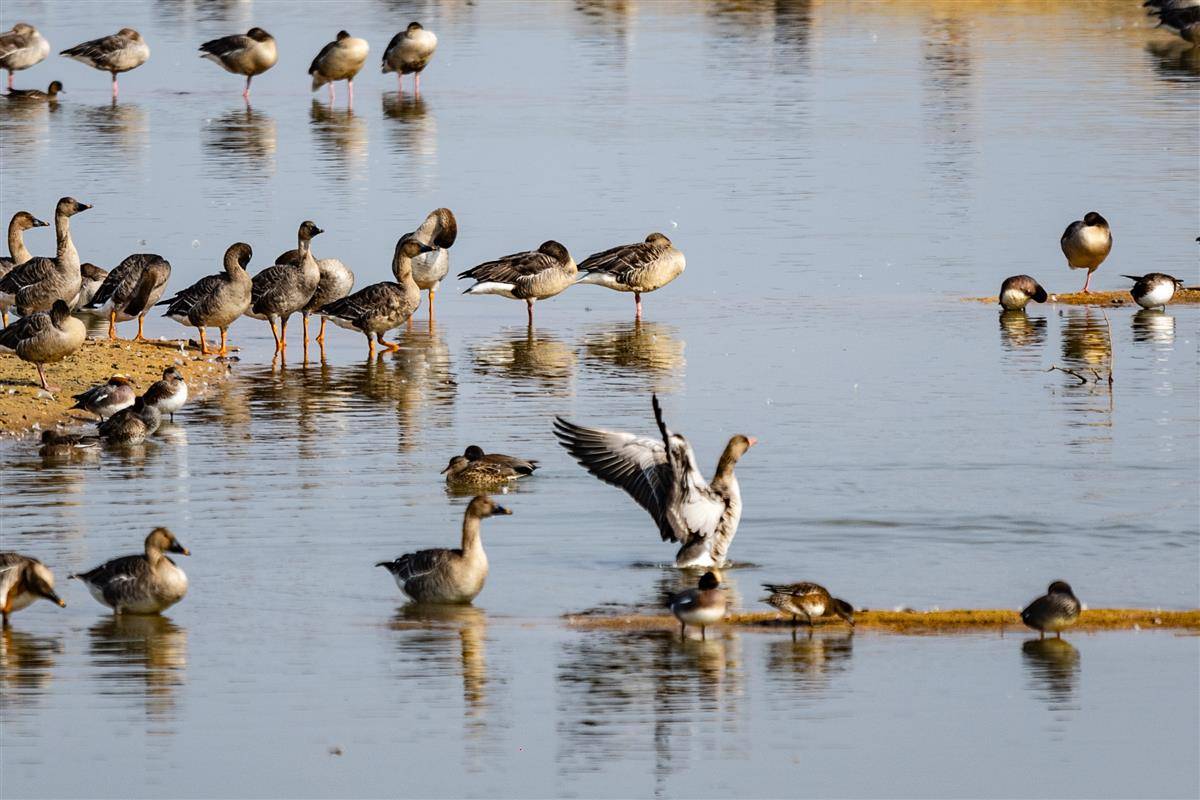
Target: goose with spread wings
<point>662,477</point>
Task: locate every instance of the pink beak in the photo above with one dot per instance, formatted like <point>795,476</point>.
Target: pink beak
<point>753,440</point>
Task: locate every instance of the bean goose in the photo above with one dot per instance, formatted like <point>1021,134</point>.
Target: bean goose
<point>132,425</point>
<point>448,576</point>
<point>249,54</point>
<point>1153,289</point>
<point>639,268</point>
<point>530,276</point>
<point>131,290</point>
<point>1058,608</point>
<point>1017,291</point>
<point>91,278</point>
<point>340,60</point>
<point>44,338</point>
<point>38,282</point>
<point>107,398</point>
<point>1086,243</point>
<point>169,394</point>
<point>281,290</point>
<point>120,52</point>
<point>408,53</point>
<point>809,599</point>
<point>701,606</point>
<point>24,579</point>
<point>439,230</point>
<point>18,253</point>
<point>336,282</point>
<point>37,95</point>
<point>475,468</point>
<point>147,583</point>
<point>381,307</point>
<point>215,301</point>
<point>662,477</point>
<point>21,48</point>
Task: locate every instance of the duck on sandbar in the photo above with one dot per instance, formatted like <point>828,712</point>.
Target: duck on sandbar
<point>24,579</point>
<point>169,394</point>
<point>107,398</point>
<point>59,443</point>
<point>147,583</point>
<point>1153,289</point>
<point>809,599</point>
<point>1058,608</point>
<point>1086,243</point>
<point>703,606</point>
<point>1017,291</point>
<point>477,468</point>
<point>131,426</point>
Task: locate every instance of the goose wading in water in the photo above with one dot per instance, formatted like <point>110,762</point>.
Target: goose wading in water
<point>1153,289</point>
<point>120,52</point>
<point>107,398</point>
<point>24,579</point>
<point>335,283</point>
<point>439,230</point>
<point>215,301</point>
<point>810,599</point>
<point>381,307</point>
<point>639,268</point>
<point>530,276</point>
<point>662,477</point>
<point>280,291</point>
<point>1086,243</point>
<point>1058,608</point>
<point>250,53</point>
<point>37,95</point>
<point>21,48</point>
<point>91,278</point>
<point>44,338</point>
<point>35,284</point>
<point>703,606</point>
<point>475,468</point>
<point>340,60</point>
<point>169,394</point>
<point>131,290</point>
<point>1017,291</point>
<point>442,575</point>
<point>18,252</point>
<point>131,426</point>
<point>408,53</point>
<point>148,583</point>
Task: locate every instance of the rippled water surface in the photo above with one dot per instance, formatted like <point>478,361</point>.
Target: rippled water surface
<point>839,176</point>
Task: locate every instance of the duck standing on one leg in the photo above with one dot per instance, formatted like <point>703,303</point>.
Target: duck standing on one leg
<point>1086,243</point>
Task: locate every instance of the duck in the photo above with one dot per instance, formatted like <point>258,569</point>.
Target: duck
<point>439,230</point>
<point>24,579</point>
<point>35,284</point>
<point>340,60</point>
<point>530,276</point>
<point>120,52</point>
<point>91,278</point>
<point>1017,291</point>
<point>44,338</point>
<point>703,606</point>
<point>21,48</point>
<point>108,398</point>
<point>1153,289</point>
<point>809,599</point>
<point>131,290</point>
<point>408,53</point>
<point>380,307</point>
<point>1182,16</point>
<point>283,289</point>
<point>131,426</point>
<point>57,443</point>
<point>18,252</point>
<point>169,394</point>
<point>215,301</point>
<point>1058,608</point>
<point>249,54</point>
<point>477,468</point>
<point>662,477</point>
<point>441,575</point>
<point>639,268</point>
<point>336,282</point>
<point>1086,243</point>
<point>49,96</point>
<point>148,583</point>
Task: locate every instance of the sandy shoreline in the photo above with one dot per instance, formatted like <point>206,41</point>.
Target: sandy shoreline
<point>1122,298</point>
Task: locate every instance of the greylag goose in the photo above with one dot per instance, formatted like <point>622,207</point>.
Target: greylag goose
<point>530,276</point>
<point>1153,289</point>
<point>215,301</point>
<point>809,599</point>
<point>131,290</point>
<point>24,579</point>
<point>336,282</point>
<point>107,398</point>
<point>409,52</point>
<point>662,477</point>
<point>19,253</point>
<point>281,290</point>
<point>148,583</point>
<point>442,575</point>
<point>131,425</point>
<point>1017,291</point>
<point>21,48</point>
<point>48,96</point>
<point>381,307</point>
<point>703,606</point>
<point>37,283</point>
<point>1086,243</point>
<point>494,470</point>
<point>91,278</point>
<point>45,337</point>
<point>340,60</point>
<point>169,394</point>
<point>639,268</point>
<point>56,443</point>
<point>249,54</point>
<point>1058,608</point>
<point>120,52</point>
<point>439,230</point>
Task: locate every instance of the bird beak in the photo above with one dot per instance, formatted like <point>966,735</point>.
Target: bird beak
<point>502,510</point>
<point>178,548</point>
<point>753,440</point>
<point>447,469</point>
<point>37,223</point>
<point>54,598</point>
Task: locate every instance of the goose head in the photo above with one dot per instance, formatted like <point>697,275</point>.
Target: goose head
<point>59,313</point>
<point>1060,587</point>
<point>163,541</point>
<point>308,230</point>
<point>1094,218</point>
<point>483,507</point>
<point>556,251</point>
<point>259,35</point>
<point>658,238</point>
<point>239,254</point>
<point>413,27</point>
<point>69,207</point>
<point>447,228</point>
<point>40,581</point>
<point>24,221</point>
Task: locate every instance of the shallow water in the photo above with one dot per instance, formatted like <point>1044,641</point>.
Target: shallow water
<point>838,182</point>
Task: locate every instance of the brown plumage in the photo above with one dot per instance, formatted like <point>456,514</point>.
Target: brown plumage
<point>475,468</point>
<point>810,599</point>
<point>1058,608</point>
<point>381,307</point>
<point>530,276</point>
<point>18,252</point>
<point>639,268</point>
<point>1017,291</point>
<point>215,301</point>
<point>24,579</point>
<point>249,54</point>
<point>45,337</point>
<point>147,583</point>
<point>131,290</point>
<point>35,284</point>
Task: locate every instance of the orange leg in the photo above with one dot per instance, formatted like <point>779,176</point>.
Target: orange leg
<point>370,346</point>
<point>321,333</point>
<point>112,325</point>
<point>203,341</point>
<point>283,334</point>
<point>224,342</point>
<point>5,315</point>
<point>141,321</point>
<point>431,294</point>
<point>304,322</point>
<point>393,346</point>
<point>275,333</point>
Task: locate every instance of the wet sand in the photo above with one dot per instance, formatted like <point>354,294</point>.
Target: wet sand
<point>1121,298</point>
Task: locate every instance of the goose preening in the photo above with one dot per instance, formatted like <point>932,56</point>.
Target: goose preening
<point>283,289</point>
<point>250,53</point>
<point>381,307</point>
<point>408,53</point>
<point>21,48</point>
<point>340,60</point>
<point>1017,291</point>
<point>57,443</point>
<point>18,252</point>
<point>35,284</point>
<point>132,425</point>
<point>439,231</point>
<point>335,282</point>
<point>529,276</point>
<point>91,278</point>
<point>49,96</point>
<point>131,290</point>
<point>475,468</point>
<point>703,606</point>
<point>809,599</point>
<point>44,338</point>
<point>169,394</point>
<point>215,301</point>
<point>442,575</point>
<point>142,584</point>
<point>120,52</point>
<point>662,477</point>
<point>639,268</point>
<point>1086,243</point>
<point>24,579</point>
<point>108,398</point>
<point>1153,289</point>
<point>1058,608</point>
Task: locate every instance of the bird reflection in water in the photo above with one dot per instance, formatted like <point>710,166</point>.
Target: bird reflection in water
<point>341,138</point>
<point>1020,331</point>
<point>636,350</point>
<point>412,133</point>
<point>1053,668</point>
<point>1153,325</point>
<point>1086,340</point>
<point>111,128</point>
<point>1174,60</point>
<point>1087,350</point>
<point>527,357</point>
<point>26,669</point>
<point>26,131</point>
<point>140,656</point>
<point>242,140</point>
<point>809,663</point>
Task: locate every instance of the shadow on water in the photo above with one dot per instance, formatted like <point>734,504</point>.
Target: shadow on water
<point>1153,326</point>
<point>243,141</point>
<point>143,658</point>
<point>639,352</point>
<point>1053,670</point>
<point>342,139</point>
<point>531,359</point>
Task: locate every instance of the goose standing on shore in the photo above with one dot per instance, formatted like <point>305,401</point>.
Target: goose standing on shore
<point>662,477</point>
<point>131,290</point>
<point>1153,289</point>
<point>24,579</point>
<point>335,283</point>
<point>91,278</point>
<point>283,289</point>
<point>1017,291</point>
<point>249,54</point>
<point>1086,243</point>
<point>1058,608</point>
<point>120,52</point>
<point>215,301</point>
<point>493,470</point>
<point>439,231</point>
<point>35,285</point>
<point>21,48</point>
<point>18,252</point>
<point>131,425</point>
<point>409,52</point>
<point>37,95</point>
<point>169,394</point>
<point>530,276</point>
<point>44,338</point>
<point>107,398</point>
<point>147,583</point>
<point>639,268</point>
<point>340,60</point>
<point>809,599</point>
<point>381,307</point>
<point>703,606</point>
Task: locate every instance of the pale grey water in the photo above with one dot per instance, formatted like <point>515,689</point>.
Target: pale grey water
<point>838,178</point>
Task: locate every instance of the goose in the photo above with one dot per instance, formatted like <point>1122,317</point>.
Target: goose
<point>530,276</point>
<point>639,268</point>
<point>49,96</point>
<point>44,338</point>
<point>1182,16</point>
<point>477,468</point>
<point>1086,243</point>
<point>148,583</point>
<point>809,599</point>
<point>439,230</point>
<point>120,52</point>
<point>215,301</point>
<point>336,282</point>
<point>662,477</point>
<point>340,60</point>
<point>249,54</point>
<point>108,398</point>
<point>35,285</point>
<point>56,443</point>
<point>131,290</point>
<point>19,254</point>
<point>91,278</point>
<point>701,606</point>
<point>1058,608</point>
<point>409,52</point>
<point>1153,289</point>
<point>21,48</point>
<point>24,579</point>
<point>380,307</point>
<point>1017,291</point>
<point>283,289</point>
<point>131,425</point>
<point>169,394</point>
